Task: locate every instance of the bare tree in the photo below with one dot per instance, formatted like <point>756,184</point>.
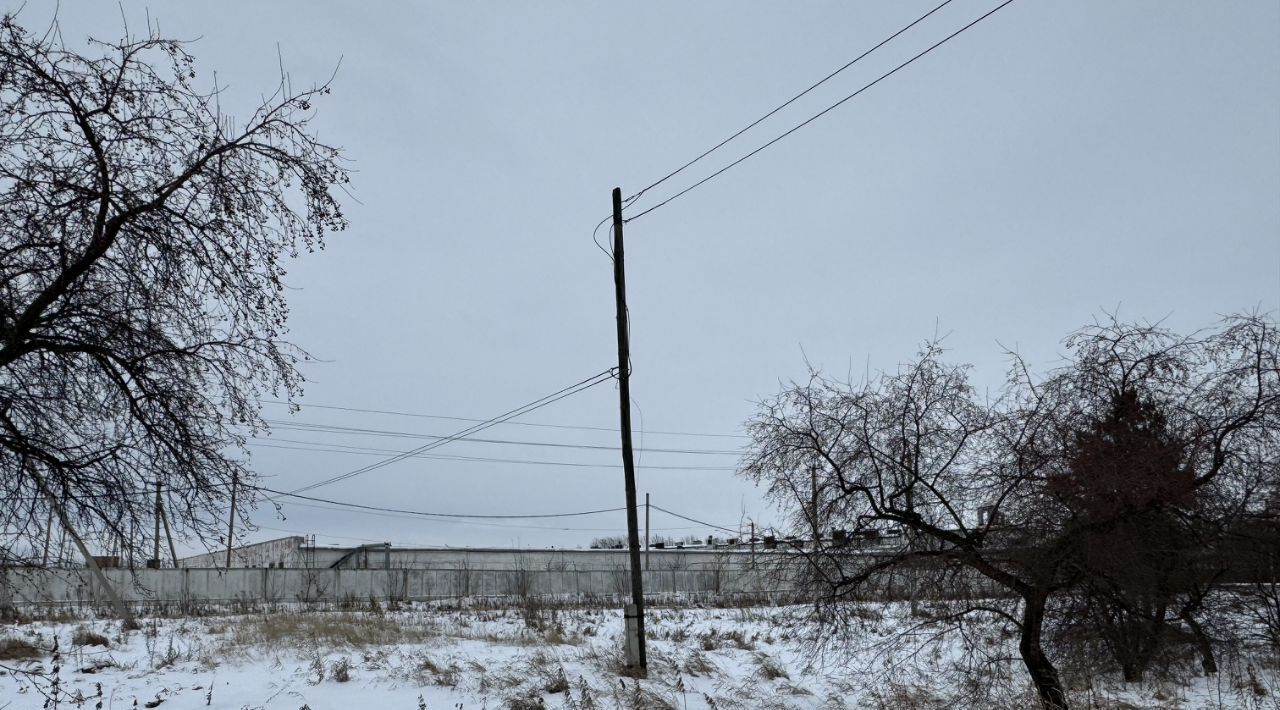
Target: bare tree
<point>142,233</point>
<point>966,493</point>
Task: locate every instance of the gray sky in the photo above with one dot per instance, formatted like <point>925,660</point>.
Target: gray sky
<point>1059,159</point>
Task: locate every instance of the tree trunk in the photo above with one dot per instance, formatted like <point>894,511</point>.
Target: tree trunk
<point>1207,660</point>
<point>1042,672</point>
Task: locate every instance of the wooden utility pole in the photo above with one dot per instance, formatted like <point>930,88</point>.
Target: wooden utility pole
<point>636,637</point>
<point>155,555</point>
<point>231,519</point>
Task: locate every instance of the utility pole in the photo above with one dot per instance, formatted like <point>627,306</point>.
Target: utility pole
<point>173,552</point>
<point>646,531</point>
<point>817,526</point>
<point>117,602</point>
<point>48,538</point>
<point>231,519</point>
<point>817,535</point>
<point>155,554</point>
<point>635,626</point>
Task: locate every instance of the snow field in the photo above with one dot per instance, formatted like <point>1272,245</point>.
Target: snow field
<point>544,656</point>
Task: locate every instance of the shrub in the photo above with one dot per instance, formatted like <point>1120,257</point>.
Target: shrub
<point>526,702</point>
<point>86,637</point>
<point>556,682</point>
<point>340,671</point>
<point>769,668</point>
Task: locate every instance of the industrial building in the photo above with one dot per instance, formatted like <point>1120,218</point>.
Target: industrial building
<point>299,552</point>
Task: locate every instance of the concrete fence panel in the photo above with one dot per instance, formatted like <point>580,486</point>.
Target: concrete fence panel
<point>191,586</point>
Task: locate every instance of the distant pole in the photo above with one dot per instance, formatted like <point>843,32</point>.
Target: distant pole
<point>817,526</point>
<point>168,534</point>
<point>646,531</point>
<point>48,538</point>
<point>231,519</point>
<point>60,510</point>
<point>624,397</point>
<point>817,534</point>
<point>155,550</point>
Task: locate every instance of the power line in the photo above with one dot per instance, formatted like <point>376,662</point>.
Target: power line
<point>439,515</point>
<point>556,396</point>
<point>470,518</point>
<point>525,424</point>
<point>148,492</point>
<point>695,520</point>
<point>788,102</point>
<point>287,425</point>
<point>368,451</point>
<point>595,239</point>
<point>821,113</point>
<point>476,523</point>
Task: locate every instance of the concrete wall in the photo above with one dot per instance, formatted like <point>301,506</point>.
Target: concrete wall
<point>188,586</point>
<point>288,552</point>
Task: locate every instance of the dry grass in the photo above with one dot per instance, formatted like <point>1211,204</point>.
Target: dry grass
<point>18,650</point>
<point>733,638</point>
<point>339,629</point>
<point>526,702</point>
<point>85,637</point>
<point>425,670</point>
<point>770,669</point>
<point>636,697</point>
<point>697,664</point>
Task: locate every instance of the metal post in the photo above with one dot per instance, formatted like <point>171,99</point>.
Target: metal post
<point>646,531</point>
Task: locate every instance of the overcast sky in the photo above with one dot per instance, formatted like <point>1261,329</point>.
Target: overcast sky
<point>1059,159</point>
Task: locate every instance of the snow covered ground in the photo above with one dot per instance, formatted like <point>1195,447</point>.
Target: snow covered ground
<point>536,657</point>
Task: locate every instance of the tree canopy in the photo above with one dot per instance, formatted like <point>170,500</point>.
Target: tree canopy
<point>1109,479</point>
<point>143,233</point>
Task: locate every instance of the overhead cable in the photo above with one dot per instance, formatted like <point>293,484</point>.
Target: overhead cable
<point>627,202</point>
<point>288,425</point>
<point>476,523</point>
<point>820,114</point>
<point>556,396</point>
<point>695,520</point>
<point>324,447</point>
<point>612,430</point>
<point>477,516</point>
